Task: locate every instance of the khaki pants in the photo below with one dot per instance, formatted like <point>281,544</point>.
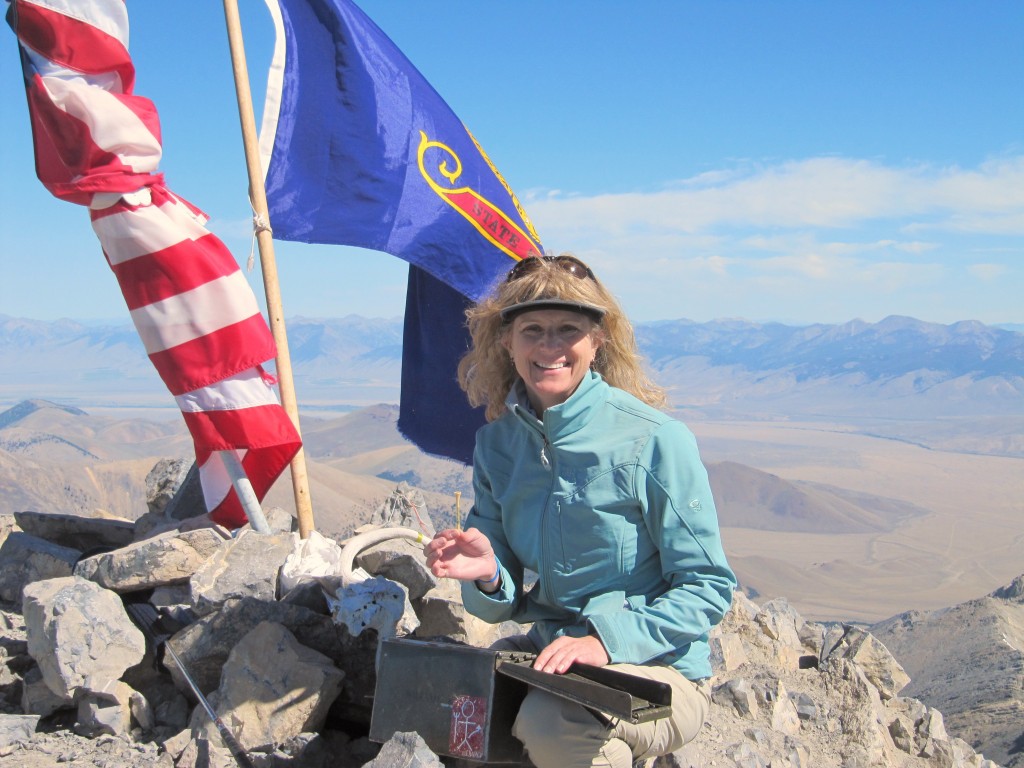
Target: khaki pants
<point>558,733</point>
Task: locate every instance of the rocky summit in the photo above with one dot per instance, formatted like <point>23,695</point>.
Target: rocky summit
<point>968,660</point>
<point>130,644</point>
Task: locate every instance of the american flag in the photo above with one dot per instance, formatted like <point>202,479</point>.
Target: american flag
<point>98,144</point>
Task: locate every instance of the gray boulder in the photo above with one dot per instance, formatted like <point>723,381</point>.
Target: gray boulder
<point>272,703</point>
<point>245,566</point>
<point>25,558</point>
<point>79,634</point>
<point>165,480</point>
<point>204,646</point>
<point>405,750</point>
<point>15,729</point>
<point>878,665</point>
<point>77,532</point>
<point>170,558</point>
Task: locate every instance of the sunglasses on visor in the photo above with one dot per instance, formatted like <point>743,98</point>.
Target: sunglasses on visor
<point>569,264</point>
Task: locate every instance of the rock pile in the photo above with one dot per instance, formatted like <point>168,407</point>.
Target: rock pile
<point>272,645</point>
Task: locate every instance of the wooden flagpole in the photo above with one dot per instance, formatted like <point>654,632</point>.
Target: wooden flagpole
<point>268,264</point>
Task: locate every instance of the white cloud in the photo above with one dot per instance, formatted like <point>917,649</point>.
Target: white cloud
<point>815,193</point>
<point>822,239</point>
<point>987,272</point>
<point>916,246</point>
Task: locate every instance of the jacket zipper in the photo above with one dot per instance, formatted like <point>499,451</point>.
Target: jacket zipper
<point>534,423</point>
<point>545,461</point>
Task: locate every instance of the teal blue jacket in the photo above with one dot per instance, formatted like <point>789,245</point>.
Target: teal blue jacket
<point>607,501</point>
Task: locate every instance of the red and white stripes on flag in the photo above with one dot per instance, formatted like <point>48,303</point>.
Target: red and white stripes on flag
<point>98,144</point>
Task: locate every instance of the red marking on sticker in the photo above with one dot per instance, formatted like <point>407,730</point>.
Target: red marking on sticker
<point>466,736</point>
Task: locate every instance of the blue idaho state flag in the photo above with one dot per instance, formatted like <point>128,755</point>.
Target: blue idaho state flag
<point>360,150</point>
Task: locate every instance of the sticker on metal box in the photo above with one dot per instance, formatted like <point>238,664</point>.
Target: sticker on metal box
<point>469,716</point>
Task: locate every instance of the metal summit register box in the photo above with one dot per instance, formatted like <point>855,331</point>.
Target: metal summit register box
<point>462,700</point>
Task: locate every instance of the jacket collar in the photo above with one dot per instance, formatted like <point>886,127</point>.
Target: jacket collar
<point>564,418</point>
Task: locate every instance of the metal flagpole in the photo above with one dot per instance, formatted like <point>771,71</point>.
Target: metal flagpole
<point>243,489</point>
<point>268,264</point>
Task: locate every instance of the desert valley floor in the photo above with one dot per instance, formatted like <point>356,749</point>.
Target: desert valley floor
<point>969,541</point>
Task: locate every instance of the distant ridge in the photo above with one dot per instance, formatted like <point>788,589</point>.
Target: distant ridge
<point>27,407</point>
<point>962,385</point>
<point>877,349</point>
<point>749,498</point>
<point>890,348</point>
<point>36,442</point>
<point>63,459</point>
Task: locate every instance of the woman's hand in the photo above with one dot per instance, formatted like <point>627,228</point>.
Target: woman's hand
<point>564,651</point>
<point>465,555</point>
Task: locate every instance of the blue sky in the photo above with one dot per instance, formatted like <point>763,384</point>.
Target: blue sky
<point>793,161</point>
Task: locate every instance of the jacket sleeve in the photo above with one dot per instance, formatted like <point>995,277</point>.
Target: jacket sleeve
<point>671,485</point>
<point>485,516</point>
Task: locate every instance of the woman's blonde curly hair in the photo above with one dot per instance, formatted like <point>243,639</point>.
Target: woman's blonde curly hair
<point>487,374</point>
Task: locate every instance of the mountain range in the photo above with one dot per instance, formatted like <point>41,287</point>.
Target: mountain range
<point>889,349</point>
<point>899,367</point>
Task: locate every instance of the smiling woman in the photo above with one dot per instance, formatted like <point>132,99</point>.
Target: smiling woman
<point>580,479</point>
<point>564,283</point>
<point>552,349</point>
